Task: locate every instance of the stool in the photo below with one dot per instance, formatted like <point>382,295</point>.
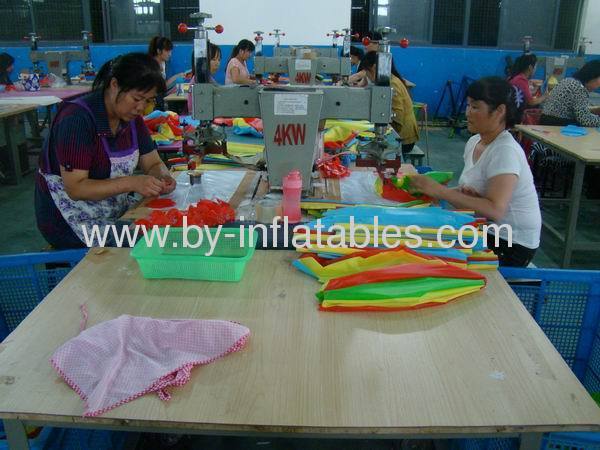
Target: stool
<point>415,156</point>
<point>420,110</point>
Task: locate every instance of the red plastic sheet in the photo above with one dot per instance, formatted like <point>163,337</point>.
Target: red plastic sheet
<point>160,203</point>
<point>333,168</point>
<point>205,212</point>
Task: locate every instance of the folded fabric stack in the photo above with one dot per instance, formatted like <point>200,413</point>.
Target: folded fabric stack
<point>463,244</point>
<point>164,127</point>
<point>398,288</point>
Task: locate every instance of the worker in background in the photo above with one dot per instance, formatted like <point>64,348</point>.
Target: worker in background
<point>7,64</point>
<point>237,69</point>
<point>496,181</point>
<point>522,70</point>
<point>356,54</point>
<point>403,121</point>
<point>161,48</point>
<point>93,147</point>
<point>568,103</point>
<point>214,54</point>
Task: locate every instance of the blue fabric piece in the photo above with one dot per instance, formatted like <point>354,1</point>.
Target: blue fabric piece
<point>573,130</point>
<point>247,130</point>
<point>432,217</point>
<point>423,169</point>
<point>188,120</point>
<point>156,114</point>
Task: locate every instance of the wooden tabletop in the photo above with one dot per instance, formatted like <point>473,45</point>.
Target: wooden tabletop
<point>11,110</point>
<point>477,365</point>
<point>585,148</point>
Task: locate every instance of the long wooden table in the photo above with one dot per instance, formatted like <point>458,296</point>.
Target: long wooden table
<point>478,366</point>
<point>583,151</point>
<point>45,97</point>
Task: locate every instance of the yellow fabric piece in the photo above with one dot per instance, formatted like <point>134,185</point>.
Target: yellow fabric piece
<point>159,137</point>
<point>441,296</point>
<point>423,231</point>
<point>213,167</point>
<point>337,133</point>
<point>240,149</point>
<point>351,125</point>
<point>165,130</point>
<point>355,265</point>
<point>404,120</point>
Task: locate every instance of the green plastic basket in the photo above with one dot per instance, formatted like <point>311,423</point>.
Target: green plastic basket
<point>173,260</point>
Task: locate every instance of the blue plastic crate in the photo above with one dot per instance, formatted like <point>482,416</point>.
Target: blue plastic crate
<point>26,279</point>
<point>571,441</point>
<point>485,444</point>
<point>566,306</point>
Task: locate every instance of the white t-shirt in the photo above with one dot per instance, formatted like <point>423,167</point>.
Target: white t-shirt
<point>505,156</point>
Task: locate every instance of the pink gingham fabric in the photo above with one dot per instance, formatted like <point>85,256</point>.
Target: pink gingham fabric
<point>120,360</point>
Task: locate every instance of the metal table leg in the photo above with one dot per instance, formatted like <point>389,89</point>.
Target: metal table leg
<point>10,129</point>
<point>16,435</point>
<point>576,189</point>
<point>531,441</point>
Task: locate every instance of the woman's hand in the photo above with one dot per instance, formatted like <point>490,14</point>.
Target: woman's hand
<point>425,185</point>
<point>147,185</point>
<point>358,79</point>
<point>169,184</point>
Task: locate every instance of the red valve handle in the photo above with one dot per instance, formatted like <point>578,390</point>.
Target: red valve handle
<point>404,43</point>
<point>182,28</point>
<point>219,29</point>
<point>366,41</point>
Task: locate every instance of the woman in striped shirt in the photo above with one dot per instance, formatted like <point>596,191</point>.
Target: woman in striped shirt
<point>93,147</point>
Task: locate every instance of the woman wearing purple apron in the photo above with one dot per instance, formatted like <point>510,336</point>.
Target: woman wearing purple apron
<point>86,175</point>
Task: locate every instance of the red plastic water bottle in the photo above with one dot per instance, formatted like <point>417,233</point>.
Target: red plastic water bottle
<point>292,191</point>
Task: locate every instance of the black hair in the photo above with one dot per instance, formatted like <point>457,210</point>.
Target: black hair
<point>374,35</point>
<point>213,51</point>
<point>496,91</point>
<point>244,44</point>
<point>522,63</point>
<point>6,61</point>
<point>138,71</point>
<point>588,72</point>
<point>159,43</point>
<point>370,60</point>
<point>355,51</point>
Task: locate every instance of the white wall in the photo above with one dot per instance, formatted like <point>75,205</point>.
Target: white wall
<point>303,21</point>
<point>591,26</point>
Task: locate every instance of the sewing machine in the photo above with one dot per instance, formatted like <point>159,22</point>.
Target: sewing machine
<point>292,115</point>
<point>58,60</point>
<point>303,64</point>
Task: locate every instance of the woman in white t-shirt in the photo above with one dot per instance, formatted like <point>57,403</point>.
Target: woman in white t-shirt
<point>496,181</point>
<point>237,70</point>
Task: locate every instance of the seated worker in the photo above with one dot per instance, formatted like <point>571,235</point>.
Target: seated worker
<point>375,37</point>
<point>496,181</point>
<point>356,54</point>
<point>93,147</point>
<point>404,120</point>
<point>7,64</point>
<point>568,103</point>
<point>214,55</point>
<point>237,70</point>
<point>161,48</point>
<point>522,70</point>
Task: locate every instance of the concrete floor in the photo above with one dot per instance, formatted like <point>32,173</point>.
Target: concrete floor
<point>21,234</point>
